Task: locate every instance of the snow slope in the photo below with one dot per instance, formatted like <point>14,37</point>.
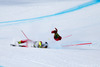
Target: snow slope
<point>37,19</point>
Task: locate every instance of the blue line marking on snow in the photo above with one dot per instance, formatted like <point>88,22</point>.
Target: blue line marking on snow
<point>1,66</point>
<point>59,13</point>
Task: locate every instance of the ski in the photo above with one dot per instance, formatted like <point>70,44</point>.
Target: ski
<point>67,36</point>
<point>13,45</point>
<point>18,45</point>
<point>76,44</point>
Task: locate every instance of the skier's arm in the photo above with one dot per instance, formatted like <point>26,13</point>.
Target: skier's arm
<point>56,29</point>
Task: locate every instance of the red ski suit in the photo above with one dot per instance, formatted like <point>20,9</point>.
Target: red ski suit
<point>57,37</point>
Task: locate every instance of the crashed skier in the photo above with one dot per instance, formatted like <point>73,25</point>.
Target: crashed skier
<point>25,43</point>
<point>35,44</point>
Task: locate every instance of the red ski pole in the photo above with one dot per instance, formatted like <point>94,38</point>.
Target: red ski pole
<point>24,34</point>
<point>26,37</point>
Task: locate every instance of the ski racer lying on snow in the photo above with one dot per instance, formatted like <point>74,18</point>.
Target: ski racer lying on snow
<point>35,44</point>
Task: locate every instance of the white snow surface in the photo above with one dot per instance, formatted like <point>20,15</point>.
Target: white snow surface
<point>83,24</point>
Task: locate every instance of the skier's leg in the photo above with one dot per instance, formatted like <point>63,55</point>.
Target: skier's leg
<point>22,41</point>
